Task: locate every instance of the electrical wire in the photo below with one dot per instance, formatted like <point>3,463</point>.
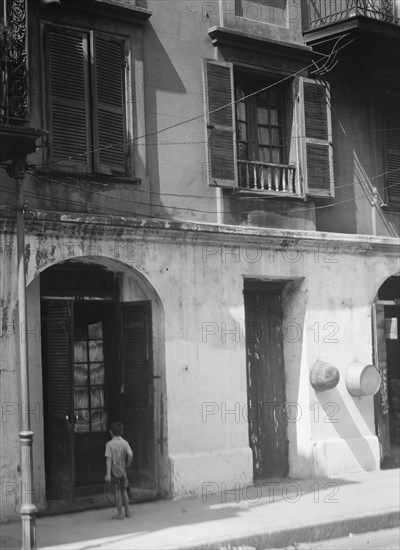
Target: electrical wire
<point>120,212</point>
<point>181,123</point>
<point>185,208</point>
<point>182,195</point>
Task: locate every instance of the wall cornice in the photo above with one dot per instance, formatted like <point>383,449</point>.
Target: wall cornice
<point>86,226</point>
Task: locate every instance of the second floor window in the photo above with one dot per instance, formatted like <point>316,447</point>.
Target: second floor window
<point>267,134</point>
<point>260,124</point>
<point>260,128</point>
<point>85,101</point>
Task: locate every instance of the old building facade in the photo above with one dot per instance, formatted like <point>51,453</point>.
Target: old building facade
<point>211,241</point>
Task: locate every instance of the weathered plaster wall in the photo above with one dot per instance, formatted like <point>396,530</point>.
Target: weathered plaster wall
<point>9,380</point>
<point>195,278</point>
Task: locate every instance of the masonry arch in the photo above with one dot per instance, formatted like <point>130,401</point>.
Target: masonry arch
<point>385,326</point>
<point>100,357</point>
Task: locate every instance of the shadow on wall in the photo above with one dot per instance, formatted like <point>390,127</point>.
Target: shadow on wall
<point>160,74</point>
<point>348,431</point>
<point>294,303</point>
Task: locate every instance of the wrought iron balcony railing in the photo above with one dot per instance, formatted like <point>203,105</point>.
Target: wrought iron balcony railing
<point>259,176</point>
<point>326,12</point>
<point>13,72</point>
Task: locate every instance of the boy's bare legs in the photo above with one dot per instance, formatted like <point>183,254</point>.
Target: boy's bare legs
<point>118,487</point>
<point>125,498</point>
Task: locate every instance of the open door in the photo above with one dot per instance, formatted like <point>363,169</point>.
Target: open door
<point>381,398</point>
<point>59,409</point>
<point>138,395</point>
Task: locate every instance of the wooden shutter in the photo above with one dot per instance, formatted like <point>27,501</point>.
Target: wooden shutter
<point>59,432</point>
<point>109,106</point>
<point>137,407</point>
<point>392,166</point>
<point>221,165</point>
<point>316,138</point>
<point>68,98</point>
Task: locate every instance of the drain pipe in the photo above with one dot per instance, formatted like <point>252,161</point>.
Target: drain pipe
<point>28,508</point>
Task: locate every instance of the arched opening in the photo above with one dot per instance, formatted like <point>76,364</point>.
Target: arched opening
<point>386,322</point>
<point>101,361</point>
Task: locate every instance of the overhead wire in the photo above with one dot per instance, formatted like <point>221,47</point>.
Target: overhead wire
<point>144,136</point>
<point>180,123</point>
<point>183,195</point>
<point>189,209</point>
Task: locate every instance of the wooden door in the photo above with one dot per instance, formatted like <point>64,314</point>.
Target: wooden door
<point>81,377</point>
<point>138,389</point>
<point>93,370</point>
<point>59,431</point>
<point>381,401</point>
<point>266,380</point>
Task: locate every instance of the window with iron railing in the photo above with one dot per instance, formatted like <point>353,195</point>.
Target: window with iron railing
<point>326,12</point>
<point>267,135</point>
<point>261,138</point>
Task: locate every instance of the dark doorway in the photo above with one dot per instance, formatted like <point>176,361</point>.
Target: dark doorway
<point>386,322</point>
<point>137,393</point>
<point>266,379</point>
<point>97,366</point>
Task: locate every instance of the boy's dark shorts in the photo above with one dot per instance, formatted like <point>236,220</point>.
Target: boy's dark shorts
<point>119,483</point>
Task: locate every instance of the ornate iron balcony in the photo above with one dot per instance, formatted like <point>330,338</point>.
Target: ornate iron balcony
<point>13,72</point>
<point>326,12</point>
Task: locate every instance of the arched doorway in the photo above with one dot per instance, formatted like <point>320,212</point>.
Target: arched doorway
<point>98,367</point>
<point>386,323</point>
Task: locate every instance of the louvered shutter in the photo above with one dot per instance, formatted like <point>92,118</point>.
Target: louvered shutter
<point>221,165</point>
<point>68,76</point>
<point>137,409</point>
<point>109,105</point>
<point>392,180</point>
<point>59,448</point>
<point>316,138</point>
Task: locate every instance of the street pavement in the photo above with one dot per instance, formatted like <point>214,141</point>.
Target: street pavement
<point>270,514</point>
<point>387,539</point>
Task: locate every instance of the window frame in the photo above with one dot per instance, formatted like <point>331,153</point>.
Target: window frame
<point>92,167</point>
<point>251,104</point>
<point>300,129</point>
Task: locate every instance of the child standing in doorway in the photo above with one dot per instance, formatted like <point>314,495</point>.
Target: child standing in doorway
<point>118,456</point>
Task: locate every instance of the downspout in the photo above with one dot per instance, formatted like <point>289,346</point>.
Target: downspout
<point>28,508</point>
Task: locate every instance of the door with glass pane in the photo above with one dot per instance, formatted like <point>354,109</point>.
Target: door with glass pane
<point>92,396</point>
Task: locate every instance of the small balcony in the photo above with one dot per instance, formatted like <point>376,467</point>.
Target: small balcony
<point>277,179</point>
<point>13,72</point>
<point>327,12</point>
<point>16,138</point>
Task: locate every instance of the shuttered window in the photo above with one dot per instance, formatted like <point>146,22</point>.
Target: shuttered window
<point>86,104</point>
<point>259,141</point>
<point>392,151</point>
<point>316,138</point>
<point>220,124</point>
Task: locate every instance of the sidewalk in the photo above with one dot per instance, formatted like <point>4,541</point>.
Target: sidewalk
<point>271,514</point>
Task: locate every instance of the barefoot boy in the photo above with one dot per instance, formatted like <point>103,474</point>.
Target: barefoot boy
<point>118,457</point>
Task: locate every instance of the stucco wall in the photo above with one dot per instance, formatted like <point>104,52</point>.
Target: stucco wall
<point>196,280</point>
